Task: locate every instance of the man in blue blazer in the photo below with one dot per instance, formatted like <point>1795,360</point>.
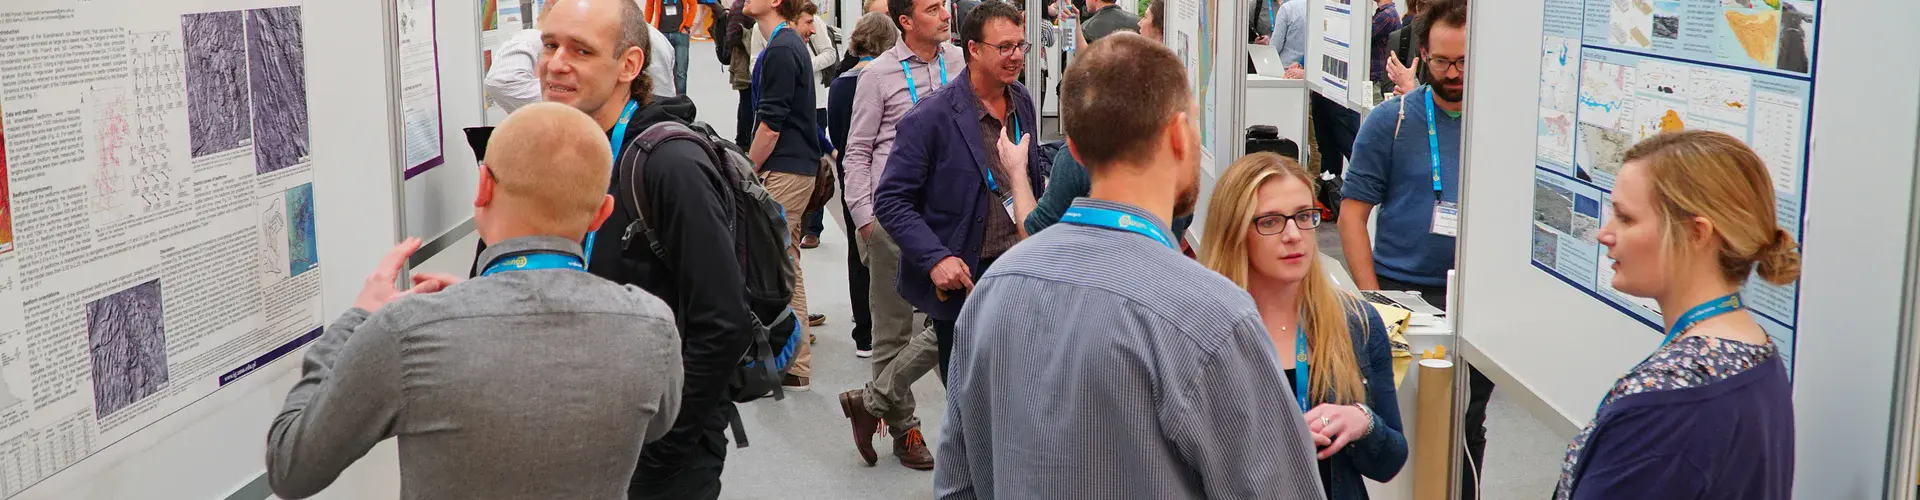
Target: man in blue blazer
<point>963,171</point>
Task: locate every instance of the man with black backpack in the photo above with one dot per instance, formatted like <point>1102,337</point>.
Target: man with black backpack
<point>675,231</point>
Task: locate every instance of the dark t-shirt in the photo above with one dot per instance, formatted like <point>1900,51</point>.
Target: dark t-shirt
<point>783,86</point>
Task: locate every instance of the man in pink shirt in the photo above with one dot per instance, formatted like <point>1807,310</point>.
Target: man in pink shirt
<point>891,85</point>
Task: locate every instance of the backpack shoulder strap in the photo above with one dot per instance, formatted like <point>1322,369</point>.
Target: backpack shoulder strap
<point>635,157</point>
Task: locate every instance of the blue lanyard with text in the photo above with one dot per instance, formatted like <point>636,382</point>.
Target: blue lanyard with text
<point>618,139</point>
<point>1433,144</point>
<point>532,261</point>
<point>914,92</point>
<point>1300,364</point>
<point>995,186</point>
<point>1703,312</point>
<point>866,58</point>
<point>1114,219</point>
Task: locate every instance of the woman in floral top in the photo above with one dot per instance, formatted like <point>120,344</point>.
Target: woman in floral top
<point>1710,413</point>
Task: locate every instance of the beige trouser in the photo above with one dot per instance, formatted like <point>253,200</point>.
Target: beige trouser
<point>793,191</point>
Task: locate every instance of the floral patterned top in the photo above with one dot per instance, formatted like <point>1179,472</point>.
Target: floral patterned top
<point>1687,362</point>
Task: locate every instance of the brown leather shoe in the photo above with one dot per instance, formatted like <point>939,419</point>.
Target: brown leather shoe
<point>853,405</point>
<point>912,450</point>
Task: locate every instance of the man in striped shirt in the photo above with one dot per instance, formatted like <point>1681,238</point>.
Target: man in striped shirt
<point>1099,362</point>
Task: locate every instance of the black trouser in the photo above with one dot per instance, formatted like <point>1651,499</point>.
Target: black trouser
<point>743,128</point>
<point>698,478</point>
<point>1333,129</point>
<point>857,278</point>
<point>1479,391</point>
<point>943,329</point>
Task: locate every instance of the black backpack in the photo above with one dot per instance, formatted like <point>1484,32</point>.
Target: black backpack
<point>759,228</point>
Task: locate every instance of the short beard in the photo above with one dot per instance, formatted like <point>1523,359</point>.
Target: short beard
<point>1189,198</point>
<point>1440,88</point>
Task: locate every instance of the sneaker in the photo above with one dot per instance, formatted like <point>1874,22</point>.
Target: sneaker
<point>796,384</point>
<point>912,450</point>
<point>863,353</point>
<point>810,241</point>
<point>816,319</point>
<point>853,405</point>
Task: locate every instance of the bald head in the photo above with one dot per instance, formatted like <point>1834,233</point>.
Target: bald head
<point>548,166</point>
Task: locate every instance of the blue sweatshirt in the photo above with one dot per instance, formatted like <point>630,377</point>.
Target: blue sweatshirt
<point>1394,171</point>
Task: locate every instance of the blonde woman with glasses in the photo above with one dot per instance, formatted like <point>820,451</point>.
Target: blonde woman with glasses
<point>1333,346</point>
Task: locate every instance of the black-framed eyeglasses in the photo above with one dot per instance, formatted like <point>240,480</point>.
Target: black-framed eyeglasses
<point>1010,48</point>
<point>1440,65</point>
<point>1275,224</point>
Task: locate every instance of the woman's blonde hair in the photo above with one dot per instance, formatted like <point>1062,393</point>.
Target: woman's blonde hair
<point>1324,309</point>
<point>1697,173</point>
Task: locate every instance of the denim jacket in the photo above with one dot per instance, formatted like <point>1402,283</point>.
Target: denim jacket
<point>1380,455</point>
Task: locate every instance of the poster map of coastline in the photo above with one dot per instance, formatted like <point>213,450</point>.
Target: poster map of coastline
<point>1614,72</point>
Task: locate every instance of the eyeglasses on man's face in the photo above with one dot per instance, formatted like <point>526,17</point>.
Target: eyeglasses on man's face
<point>1008,49</point>
<point>1442,65</point>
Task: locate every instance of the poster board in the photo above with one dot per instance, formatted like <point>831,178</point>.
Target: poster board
<point>1613,75</point>
<point>192,190</point>
<point>1338,38</point>
<point>1209,39</point>
<point>1558,346</point>
<point>439,201</point>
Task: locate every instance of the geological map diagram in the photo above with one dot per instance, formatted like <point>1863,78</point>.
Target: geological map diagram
<point>218,105</point>
<point>274,264</point>
<point>1758,31</point>
<point>276,67</point>
<point>1604,91</point>
<point>303,253</point>
<point>128,346</point>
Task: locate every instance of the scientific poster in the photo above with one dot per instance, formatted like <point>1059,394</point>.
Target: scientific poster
<point>156,219</point>
<point>1615,73</point>
<point>1336,26</point>
<point>1191,31</point>
<point>419,85</point>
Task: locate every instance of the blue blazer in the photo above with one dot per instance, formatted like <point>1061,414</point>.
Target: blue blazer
<point>932,195</point>
<point>1381,454</point>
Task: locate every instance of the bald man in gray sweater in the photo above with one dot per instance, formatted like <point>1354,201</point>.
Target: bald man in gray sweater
<point>533,380</point>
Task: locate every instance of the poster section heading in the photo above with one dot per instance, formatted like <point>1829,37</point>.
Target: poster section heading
<point>1614,73</point>
<point>156,221</point>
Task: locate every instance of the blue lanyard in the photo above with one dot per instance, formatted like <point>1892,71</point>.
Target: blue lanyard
<point>913,91</point>
<point>1114,219</point>
<point>866,58</point>
<point>1273,16</point>
<point>533,261</point>
<point>1433,144</point>
<point>995,186</point>
<point>1687,321</point>
<point>618,139</point>
<point>1300,364</point>
<point>1703,312</point>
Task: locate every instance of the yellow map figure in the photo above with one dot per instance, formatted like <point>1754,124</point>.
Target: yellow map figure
<point>1757,32</point>
<point>1671,122</point>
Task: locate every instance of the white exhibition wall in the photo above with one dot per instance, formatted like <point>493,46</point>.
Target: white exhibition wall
<point>1544,337</point>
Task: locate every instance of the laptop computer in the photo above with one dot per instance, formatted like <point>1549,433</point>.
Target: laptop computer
<point>1266,60</point>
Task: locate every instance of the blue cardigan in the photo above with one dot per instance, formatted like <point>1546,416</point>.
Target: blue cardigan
<point>1381,454</point>
<point>1732,439</point>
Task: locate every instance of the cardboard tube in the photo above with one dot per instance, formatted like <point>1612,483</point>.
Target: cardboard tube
<point>1433,430</point>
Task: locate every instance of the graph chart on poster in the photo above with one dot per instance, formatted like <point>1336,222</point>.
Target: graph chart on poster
<point>157,234</point>
<point>1614,73</point>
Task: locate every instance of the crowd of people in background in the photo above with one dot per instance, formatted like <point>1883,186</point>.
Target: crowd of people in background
<point>1089,348</point>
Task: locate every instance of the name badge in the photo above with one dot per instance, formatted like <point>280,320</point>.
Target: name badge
<point>671,9</point>
<point>1446,219</point>
<point>1007,201</point>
